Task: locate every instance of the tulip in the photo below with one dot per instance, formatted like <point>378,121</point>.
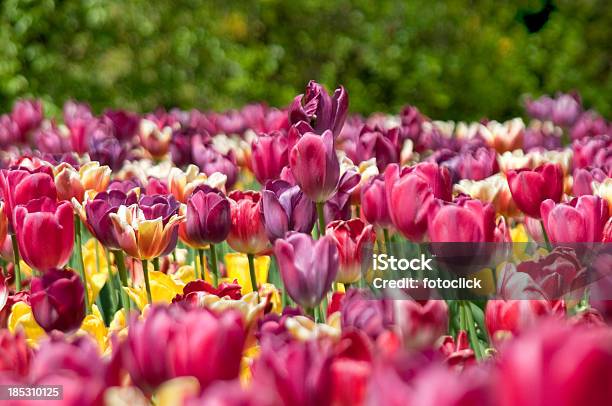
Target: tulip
<point>96,215</point>
<point>52,139</point>
<point>478,165</point>
<point>160,347</point>
<point>108,151</point>
<point>494,190</point>
<point>506,136</point>
<point>180,146</point>
<point>583,179</point>
<point>247,232</point>
<point>58,300</point>
<point>27,114</point>
<point>410,191</point>
<point>21,185</point>
<point>318,109</point>
<point>607,233</point>
<point>45,233</point>
<point>592,151</point>
<point>539,360</point>
<point>286,208</point>
<point>530,188</point>
<point>15,355</point>
<point>124,122</point>
<point>315,166</point>
<point>374,202</point>
<point>580,220</point>
<point>182,184</point>
<point>308,268</point>
<point>154,138</point>
<point>4,223</point>
<point>504,317</point>
<point>9,131</point>
<point>420,323</point>
<point>71,183</point>
<point>351,238</point>
<point>268,156</point>
<point>457,354</point>
<point>589,125</point>
<point>466,220</point>
<point>380,144</point>
<point>210,162</point>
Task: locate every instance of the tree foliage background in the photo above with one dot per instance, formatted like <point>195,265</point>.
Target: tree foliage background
<point>455,59</point>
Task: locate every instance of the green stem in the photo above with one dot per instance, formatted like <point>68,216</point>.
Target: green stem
<point>80,264</point>
<point>251,259</point>
<point>387,241</point>
<point>321,214</point>
<point>156,264</point>
<point>111,279</point>
<point>202,267</point>
<point>213,264</point>
<point>469,319</point>
<point>145,271</point>
<point>17,263</point>
<point>546,240</point>
<point>120,262</point>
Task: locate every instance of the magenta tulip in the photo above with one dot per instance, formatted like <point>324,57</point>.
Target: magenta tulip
<point>320,110</point>
<point>530,188</point>
<point>352,238</point>
<point>308,268</point>
<point>58,300</point>
<point>374,202</point>
<point>410,191</point>
<point>465,220</point>
<point>247,233</point>
<point>45,233</point>
<point>27,114</point>
<point>581,220</point>
<point>208,217</point>
<point>268,156</point>
<point>286,208</point>
<point>315,166</point>
<point>584,177</point>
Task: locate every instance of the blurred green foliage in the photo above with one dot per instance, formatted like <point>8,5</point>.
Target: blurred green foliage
<point>457,59</point>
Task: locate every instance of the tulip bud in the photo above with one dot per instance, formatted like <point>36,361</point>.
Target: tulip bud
<point>410,191</point>
<point>45,233</point>
<point>208,217</point>
<point>27,114</point>
<point>68,183</point>
<point>154,138</point>
<point>268,156</point>
<point>286,208</point>
<point>374,202</point>
<point>247,233</point>
<point>308,268</point>
<point>530,188</point>
<point>58,300</point>
<point>581,220</point>
<point>319,110</point>
<point>350,238</point>
<point>315,166</point>
<point>466,220</point>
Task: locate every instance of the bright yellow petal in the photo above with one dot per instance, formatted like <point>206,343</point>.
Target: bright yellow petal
<point>175,391</point>
<point>21,317</point>
<point>184,274</point>
<point>93,325</point>
<point>237,266</point>
<point>149,238</point>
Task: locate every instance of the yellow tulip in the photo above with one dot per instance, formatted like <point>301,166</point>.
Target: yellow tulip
<point>21,318</point>
<point>175,391</point>
<point>163,290</point>
<point>237,266</point>
<point>93,325</point>
<point>96,267</point>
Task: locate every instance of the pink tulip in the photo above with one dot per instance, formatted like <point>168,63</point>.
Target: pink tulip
<point>584,177</point>
<point>530,188</point>
<point>410,191</point>
<point>374,202</point>
<point>15,354</point>
<point>352,238</point>
<point>45,233</point>
<point>581,220</point>
<point>466,221</point>
<point>247,232</point>
<point>268,156</point>
<point>421,323</point>
<point>28,114</point>
<point>315,166</point>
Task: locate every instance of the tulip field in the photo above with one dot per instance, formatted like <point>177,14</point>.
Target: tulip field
<point>225,258</point>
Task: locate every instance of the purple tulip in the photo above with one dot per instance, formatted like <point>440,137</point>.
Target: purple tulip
<point>9,131</point>
<point>307,267</point>
<point>286,208</point>
<point>210,161</point>
<point>125,123</point>
<point>27,114</point>
<point>315,166</point>
<point>58,300</point>
<point>338,207</point>
<point>541,108</point>
<point>269,156</point>
<point>318,109</point>
<point>208,217</point>
<point>566,110</point>
<point>360,310</point>
<point>595,152</point>
<point>412,127</point>
<point>98,215</point>
<point>583,177</point>
<point>380,144</point>
<point>589,125</point>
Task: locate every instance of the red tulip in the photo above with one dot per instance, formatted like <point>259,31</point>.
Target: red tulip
<point>351,238</point>
<point>247,233</point>
<point>21,185</point>
<point>315,166</point>
<point>45,233</point>
<point>58,300</point>
<point>268,156</point>
<point>530,188</point>
<point>581,220</point>
<point>457,353</point>
<point>556,364</point>
<point>513,316</point>
<point>410,191</point>
<point>15,354</point>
